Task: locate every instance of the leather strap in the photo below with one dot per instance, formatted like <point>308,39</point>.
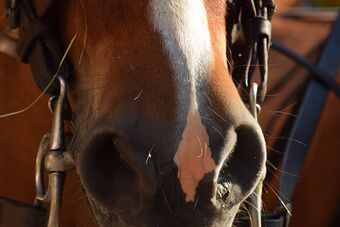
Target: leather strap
<point>321,75</point>
<point>308,116</point>
<point>37,45</point>
<point>248,25</point>
<point>18,214</point>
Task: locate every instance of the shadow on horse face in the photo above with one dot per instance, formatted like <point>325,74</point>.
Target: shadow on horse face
<point>162,137</point>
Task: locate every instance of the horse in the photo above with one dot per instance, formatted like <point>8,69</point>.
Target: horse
<point>161,136</point>
<point>321,201</point>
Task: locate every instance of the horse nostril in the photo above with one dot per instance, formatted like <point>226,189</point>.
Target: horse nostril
<point>104,173</point>
<point>223,191</point>
<point>242,170</point>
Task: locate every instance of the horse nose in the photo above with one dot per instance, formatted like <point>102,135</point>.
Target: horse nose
<point>233,169</point>
<point>236,174</point>
<point>239,173</point>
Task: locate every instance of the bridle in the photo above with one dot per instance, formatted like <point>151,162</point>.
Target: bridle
<point>249,38</point>
<point>38,48</point>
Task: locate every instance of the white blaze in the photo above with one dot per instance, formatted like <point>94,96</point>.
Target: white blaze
<point>183,26</point>
<point>193,157</point>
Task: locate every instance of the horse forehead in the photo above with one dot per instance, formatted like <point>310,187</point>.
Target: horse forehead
<point>184,33</point>
<point>183,26</point>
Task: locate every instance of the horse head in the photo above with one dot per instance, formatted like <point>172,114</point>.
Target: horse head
<point>161,135</point>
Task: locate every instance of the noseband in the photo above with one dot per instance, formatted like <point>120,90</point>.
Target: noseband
<point>249,36</point>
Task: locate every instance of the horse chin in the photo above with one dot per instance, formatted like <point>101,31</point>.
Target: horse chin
<point>148,216</point>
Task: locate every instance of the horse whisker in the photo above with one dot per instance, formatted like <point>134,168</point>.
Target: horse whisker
<point>247,212</point>
<point>85,32</point>
<point>281,201</point>
<point>289,106</point>
<point>285,138</point>
<point>272,149</point>
<point>218,132</point>
<point>47,86</point>
<point>167,203</point>
<point>273,95</point>
<point>196,202</point>
<point>282,112</point>
<point>252,205</point>
<point>281,171</point>
<point>205,94</point>
<point>139,94</point>
<point>199,141</point>
<point>149,153</point>
<point>219,115</point>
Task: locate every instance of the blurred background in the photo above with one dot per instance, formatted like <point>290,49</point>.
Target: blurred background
<point>303,26</point>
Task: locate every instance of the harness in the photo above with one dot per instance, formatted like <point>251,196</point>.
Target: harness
<point>249,37</point>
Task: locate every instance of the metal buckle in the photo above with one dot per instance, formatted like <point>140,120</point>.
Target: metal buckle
<point>57,161</point>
